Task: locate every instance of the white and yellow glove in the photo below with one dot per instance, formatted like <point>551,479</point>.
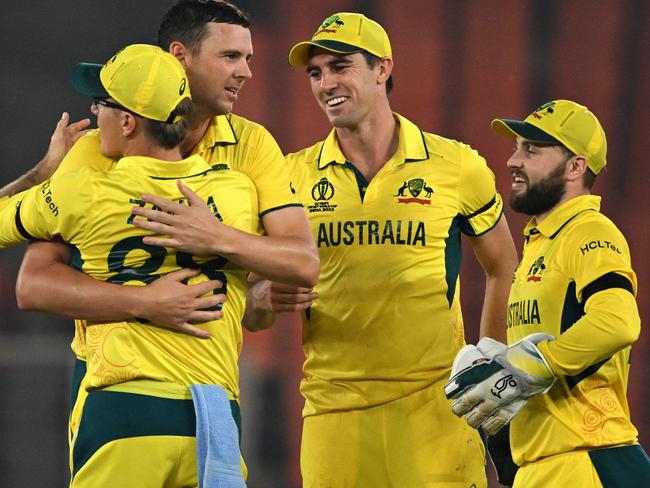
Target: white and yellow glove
<point>491,382</point>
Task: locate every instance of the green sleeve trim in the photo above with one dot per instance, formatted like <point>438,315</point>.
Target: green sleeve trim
<point>273,209</point>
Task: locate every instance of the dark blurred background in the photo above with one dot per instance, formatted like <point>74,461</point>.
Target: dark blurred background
<point>458,64</point>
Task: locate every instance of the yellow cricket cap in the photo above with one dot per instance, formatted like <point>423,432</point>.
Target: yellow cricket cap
<point>144,79</point>
<point>344,33</point>
<point>564,122</point>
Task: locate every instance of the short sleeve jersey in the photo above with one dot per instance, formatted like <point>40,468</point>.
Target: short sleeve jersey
<point>570,250</point>
<point>387,321</point>
<point>230,140</point>
<point>92,211</point>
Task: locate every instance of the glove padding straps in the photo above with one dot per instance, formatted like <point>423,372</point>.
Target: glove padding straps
<point>492,382</point>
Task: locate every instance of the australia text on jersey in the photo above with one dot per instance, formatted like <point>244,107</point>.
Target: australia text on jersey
<point>369,232</point>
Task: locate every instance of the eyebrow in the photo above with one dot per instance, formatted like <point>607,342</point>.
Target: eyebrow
<point>337,59</point>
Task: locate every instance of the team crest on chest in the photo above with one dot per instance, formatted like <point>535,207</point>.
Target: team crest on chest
<point>418,192</point>
<point>321,193</point>
<point>536,270</point>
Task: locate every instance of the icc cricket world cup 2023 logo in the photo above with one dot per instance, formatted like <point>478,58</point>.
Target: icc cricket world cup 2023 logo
<point>322,191</point>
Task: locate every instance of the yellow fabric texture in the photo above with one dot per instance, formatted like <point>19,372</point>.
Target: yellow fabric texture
<point>387,321</point>
<point>573,247</point>
<point>568,469</point>
<point>413,442</point>
<point>157,464</point>
<point>240,144</point>
<point>92,211</point>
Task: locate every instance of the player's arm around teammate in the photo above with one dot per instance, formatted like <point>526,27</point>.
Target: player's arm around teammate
<point>217,65</point>
<point>287,254</point>
<point>168,302</point>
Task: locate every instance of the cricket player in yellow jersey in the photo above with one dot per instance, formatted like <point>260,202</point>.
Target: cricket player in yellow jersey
<point>388,204</point>
<point>138,424</point>
<point>572,318</point>
<point>212,41</point>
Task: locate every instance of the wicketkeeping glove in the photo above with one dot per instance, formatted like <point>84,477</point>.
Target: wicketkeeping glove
<point>492,382</point>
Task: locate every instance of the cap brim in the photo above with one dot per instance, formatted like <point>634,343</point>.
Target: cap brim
<point>85,78</point>
<point>299,54</point>
<point>513,128</point>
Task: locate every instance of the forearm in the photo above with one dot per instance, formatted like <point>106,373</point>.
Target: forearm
<point>610,324</point>
<point>284,259</point>
<point>58,289</point>
<point>498,257</point>
<point>32,178</point>
<point>495,305</point>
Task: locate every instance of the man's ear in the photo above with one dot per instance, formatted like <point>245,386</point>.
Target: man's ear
<point>385,69</point>
<point>128,124</point>
<point>576,168</point>
<point>180,52</point>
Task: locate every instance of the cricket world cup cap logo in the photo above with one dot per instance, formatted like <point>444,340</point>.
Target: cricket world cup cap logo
<point>323,190</point>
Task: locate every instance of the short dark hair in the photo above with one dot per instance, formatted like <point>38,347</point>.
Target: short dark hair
<point>187,21</point>
<point>373,61</point>
<point>169,135</point>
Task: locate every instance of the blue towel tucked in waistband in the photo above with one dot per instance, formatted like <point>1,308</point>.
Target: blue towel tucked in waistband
<point>217,440</point>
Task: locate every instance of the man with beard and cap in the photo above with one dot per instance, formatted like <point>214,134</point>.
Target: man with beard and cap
<point>561,380</point>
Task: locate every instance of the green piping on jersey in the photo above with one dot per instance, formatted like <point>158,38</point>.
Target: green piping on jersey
<point>110,415</point>
<point>232,129</point>
<point>362,183</point>
<point>78,374</point>
<point>426,151</point>
<point>216,167</point>
<point>453,258</point>
<point>19,224</point>
<point>621,467</point>
<point>466,226</point>
<point>76,260</point>
<point>572,311</point>
<point>269,210</point>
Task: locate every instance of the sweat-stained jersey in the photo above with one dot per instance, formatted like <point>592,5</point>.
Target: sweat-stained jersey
<point>92,211</point>
<point>387,321</point>
<point>240,144</point>
<point>575,262</point>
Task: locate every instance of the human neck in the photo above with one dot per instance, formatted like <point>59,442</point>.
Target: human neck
<point>198,122</point>
<point>143,147</point>
<point>370,144</point>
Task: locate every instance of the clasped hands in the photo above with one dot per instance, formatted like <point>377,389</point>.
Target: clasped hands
<point>491,382</point>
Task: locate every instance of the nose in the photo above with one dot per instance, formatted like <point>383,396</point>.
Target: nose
<point>94,109</point>
<point>327,81</point>
<point>515,160</point>
<point>244,70</point>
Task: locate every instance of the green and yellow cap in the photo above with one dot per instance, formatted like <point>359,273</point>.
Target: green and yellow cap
<point>562,122</point>
<point>344,33</point>
<point>144,79</point>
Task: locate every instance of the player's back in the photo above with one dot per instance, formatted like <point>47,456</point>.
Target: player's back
<point>92,211</point>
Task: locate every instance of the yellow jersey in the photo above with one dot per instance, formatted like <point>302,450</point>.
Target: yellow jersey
<point>575,262</point>
<point>388,321</point>
<point>92,211</point>
<point>230,140</point>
